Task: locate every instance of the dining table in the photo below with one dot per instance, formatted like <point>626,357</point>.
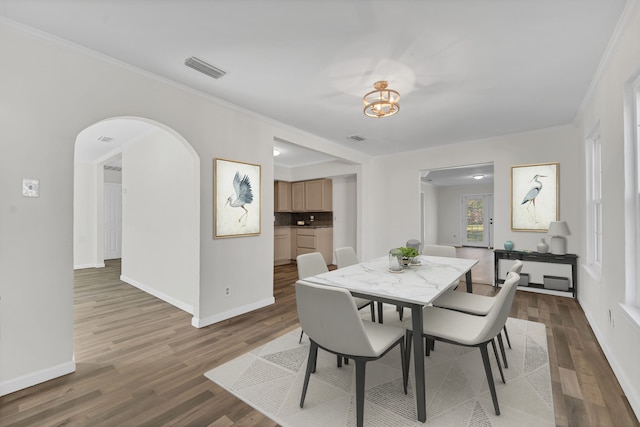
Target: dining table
<point>414,287</point>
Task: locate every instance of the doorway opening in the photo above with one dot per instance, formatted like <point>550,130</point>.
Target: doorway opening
<point>457,206</point>
<point>144,206</point>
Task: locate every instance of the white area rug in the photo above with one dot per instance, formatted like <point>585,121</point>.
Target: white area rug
<point>270,379</point>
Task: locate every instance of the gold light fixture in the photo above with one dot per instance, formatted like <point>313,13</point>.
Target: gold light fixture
<point>381,102</point>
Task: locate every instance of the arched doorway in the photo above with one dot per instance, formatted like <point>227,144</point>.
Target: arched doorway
<point>159,175</point>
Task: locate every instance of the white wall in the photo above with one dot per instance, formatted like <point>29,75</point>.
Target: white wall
<point>620,338</point>
<point>430,214</point>
<point>160,229</point>
<point>396,178</point>
<point>344,212</point>
<point>85,215</point>
<point>450,213</point>
<point>45,107</point>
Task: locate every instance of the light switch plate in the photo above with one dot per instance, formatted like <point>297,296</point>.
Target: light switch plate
<point>30,187</point>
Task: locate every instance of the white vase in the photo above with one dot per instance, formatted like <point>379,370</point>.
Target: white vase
<point>543,248</point>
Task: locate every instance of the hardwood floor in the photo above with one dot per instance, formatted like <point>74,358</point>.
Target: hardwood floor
<point>141,363</point>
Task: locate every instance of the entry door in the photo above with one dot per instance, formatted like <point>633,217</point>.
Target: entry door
<point>112,220</point>
<point>476,220</point>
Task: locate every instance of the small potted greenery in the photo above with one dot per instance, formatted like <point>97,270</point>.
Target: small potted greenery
<point>408,254</point>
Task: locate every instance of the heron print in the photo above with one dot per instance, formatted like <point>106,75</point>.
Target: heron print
<point>530,198</point>
<point>237,198</point>
<point>244,196</point>
<point>534,196</point>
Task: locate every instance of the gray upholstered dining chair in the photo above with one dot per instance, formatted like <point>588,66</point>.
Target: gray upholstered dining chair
<point>345,257</point>
<point>440,250</point>
<point>456,327</point>
<point>342,331</point>
<point>478,305</point>
<point>435,250</point>
<point>413,243</point>
<point>314,263</point>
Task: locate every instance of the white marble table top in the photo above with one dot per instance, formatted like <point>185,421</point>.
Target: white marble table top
<point>415,284</point>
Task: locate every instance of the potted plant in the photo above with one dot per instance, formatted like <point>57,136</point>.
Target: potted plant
<point>408,254</point>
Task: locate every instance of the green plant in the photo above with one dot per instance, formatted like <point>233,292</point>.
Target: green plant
<point>408,252</point>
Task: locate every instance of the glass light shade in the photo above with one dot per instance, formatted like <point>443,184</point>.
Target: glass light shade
<point>381,102</point>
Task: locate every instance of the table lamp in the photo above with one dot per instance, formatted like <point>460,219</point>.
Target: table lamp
<point>557,231</point>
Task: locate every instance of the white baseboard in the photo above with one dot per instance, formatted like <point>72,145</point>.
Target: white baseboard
<point>201,323</point>
<point>166,298</point>
<point>629,389</point>
<point>38,377</point>
<point>82,266</point>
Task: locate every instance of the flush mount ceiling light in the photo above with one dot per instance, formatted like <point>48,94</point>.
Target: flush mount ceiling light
<point>381,102</point>
<point>478,176</point>
<point>208,69</point>
<point>276,152</point>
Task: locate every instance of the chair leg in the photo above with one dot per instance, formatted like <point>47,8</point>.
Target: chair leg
<point>400,311</point>
<point>504,354</point>
<point>300,340</point>
<point>339,361</point>
<point>487,369</point>
<point>495,353</point>
<point>311,363</point>
<point>506,334</point>
<point>380,310</point>
<point>360,376</point>
<point>373,313</point>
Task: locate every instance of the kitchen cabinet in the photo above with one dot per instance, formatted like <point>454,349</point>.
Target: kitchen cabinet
<point>282,196</point>
<point>315,240</point>
<point>312,196</point>
<point>297,196</point>
<point>282,245</point>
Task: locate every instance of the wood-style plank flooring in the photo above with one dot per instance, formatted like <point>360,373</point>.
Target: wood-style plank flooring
<point>141,363</point>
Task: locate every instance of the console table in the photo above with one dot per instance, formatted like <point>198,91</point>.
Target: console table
<point>570,259</point>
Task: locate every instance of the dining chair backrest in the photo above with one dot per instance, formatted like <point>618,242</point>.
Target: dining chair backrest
<point>517,266</point>
<point>440,250</point>
<point>310,265</point>
<point>346,256</point>
<point>497,316</point>
<point>330,317</point>
<point>413,243</point>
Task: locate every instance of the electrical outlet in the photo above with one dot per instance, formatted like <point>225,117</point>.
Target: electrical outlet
<point>227,292</point>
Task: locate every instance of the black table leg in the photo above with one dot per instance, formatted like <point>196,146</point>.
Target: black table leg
<point>418,360</point>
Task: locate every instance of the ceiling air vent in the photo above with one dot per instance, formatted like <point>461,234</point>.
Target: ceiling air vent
<point>358,137</point>
<point>105,139</point>
<point>203,67</point>
<point>112,168</point>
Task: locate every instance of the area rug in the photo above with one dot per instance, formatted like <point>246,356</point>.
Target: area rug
<point>269,378</point>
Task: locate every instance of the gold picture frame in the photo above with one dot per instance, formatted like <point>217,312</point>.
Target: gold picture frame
<point>237,198</point>
<point>534,196</point>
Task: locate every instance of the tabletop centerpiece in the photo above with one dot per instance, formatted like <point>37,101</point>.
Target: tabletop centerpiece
<point>409,256</point>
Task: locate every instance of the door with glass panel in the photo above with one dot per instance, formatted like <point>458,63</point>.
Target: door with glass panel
<point>477,220</point>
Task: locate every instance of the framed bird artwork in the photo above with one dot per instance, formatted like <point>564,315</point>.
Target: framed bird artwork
<point>534,196</point>
<point>237,199</point>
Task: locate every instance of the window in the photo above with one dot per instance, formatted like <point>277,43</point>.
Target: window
<point>594,204</point>
<point>632,197</point>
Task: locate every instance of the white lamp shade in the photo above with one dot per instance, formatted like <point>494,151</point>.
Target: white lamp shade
<point>558,228</point>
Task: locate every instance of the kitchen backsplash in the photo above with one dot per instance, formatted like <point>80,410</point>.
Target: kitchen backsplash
<point>319,218</point>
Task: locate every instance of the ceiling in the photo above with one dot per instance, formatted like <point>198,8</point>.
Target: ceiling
<point>465,69</point>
